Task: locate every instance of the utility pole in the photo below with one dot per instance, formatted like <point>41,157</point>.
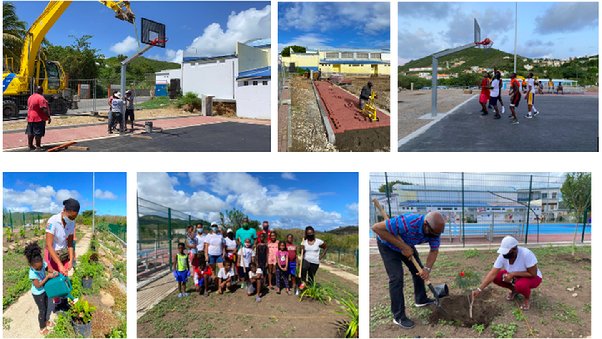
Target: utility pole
<point>515,32</point>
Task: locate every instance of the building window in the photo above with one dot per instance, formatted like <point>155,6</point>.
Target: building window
<point>553,195</point>
<point>347,55</point>
<point>544,195</point>
<point>254,83</point>
<point>245,83</point>
<point>332,55</point>
<point>361,55</point>
<point>375,56</point>
<point>265,83</point>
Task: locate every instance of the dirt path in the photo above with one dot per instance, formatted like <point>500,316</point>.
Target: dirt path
<point>151,294</point>
<point>23,314</point>
<point>340,273</point>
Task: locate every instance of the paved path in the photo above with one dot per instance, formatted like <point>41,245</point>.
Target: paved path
<point>151,294</point>
<point>354,278</point>
<point>18,139</point>
<point>24,312</point>
<point>566,124</point>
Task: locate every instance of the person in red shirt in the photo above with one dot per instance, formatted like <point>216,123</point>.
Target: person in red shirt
<point>265,228</point>
<point>292,261</point>
<point>202,277</point>
<point>484,98</point>
<point>38,112</point>
<point>514,97</point>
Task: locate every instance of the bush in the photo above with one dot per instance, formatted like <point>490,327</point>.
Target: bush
<point>189,102</point>
<point>405,81</point>
<point>317,293</point>
<point>81,311</point>
<point>467,280</point>
<point>350,326</point>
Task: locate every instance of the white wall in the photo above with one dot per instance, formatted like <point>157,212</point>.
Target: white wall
<point>253,101</point>
<point>163,77</point>
<point>217,78</point>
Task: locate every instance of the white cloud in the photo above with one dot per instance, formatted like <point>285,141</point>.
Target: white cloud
<point>289,176</point>
<point>104,195</point>
<point>174,55</point>
<point>352,207</point>
<point>37,198</point>
<point>127,45</point>
<point>197,179</point>
<point>310,40</point>
<point>242,26</point>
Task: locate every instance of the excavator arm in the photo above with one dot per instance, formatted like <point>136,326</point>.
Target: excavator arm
<point>53,11</point>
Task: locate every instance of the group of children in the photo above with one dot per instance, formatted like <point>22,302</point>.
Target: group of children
<point>255,266</point>
<point>491,93</point>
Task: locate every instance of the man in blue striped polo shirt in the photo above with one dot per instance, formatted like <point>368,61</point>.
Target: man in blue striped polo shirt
<point>397,238</point>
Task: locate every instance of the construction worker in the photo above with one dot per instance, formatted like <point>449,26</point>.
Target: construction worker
<point>365,94</point>
<point>129,108</point>
<point>38,112</point>
<point>115,111</point>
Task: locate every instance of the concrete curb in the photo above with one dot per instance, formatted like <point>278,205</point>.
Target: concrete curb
<point>322,109</point>
<point>424,128</point>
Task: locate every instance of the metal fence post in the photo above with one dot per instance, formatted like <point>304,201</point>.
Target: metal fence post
<point>388,194</point>
<point>357,258</point>
<point>584,223</point>
<point>463,222</point>
<point>94,97</point>
<point>528,208</point>
<point>169,235</point>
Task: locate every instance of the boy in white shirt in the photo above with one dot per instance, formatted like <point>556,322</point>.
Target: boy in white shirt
<point>224,278</point>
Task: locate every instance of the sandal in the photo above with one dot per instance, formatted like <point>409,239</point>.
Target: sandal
<point>511,295</point>
<point>525,306</point>
<point>44,331</point>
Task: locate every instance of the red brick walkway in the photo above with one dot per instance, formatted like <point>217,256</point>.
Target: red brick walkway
<point>13,140</point>
<point>343,110</point>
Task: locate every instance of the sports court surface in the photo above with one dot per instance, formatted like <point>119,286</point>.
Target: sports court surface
<point>566,124</point>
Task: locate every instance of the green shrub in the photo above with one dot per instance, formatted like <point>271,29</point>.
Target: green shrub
<point>62,327</point>
<point>350,326</point>
<point>479,328</point>
<point>316,292</point>
<point>467,280</point>
<point>81,311</point>
<point>190,100</point>
<point>504,330</point>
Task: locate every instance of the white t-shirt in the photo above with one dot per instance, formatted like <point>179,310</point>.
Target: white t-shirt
<point>60,232</point>
<point>223,275</point>
<point>524,260</point>
<point>257,273</point>
<point>215,241</point>
<point>230,244</point>
<point>312,252</point>
<point>200,242</point>
<point>495,91</point>
<point>247,254</point>
<point>531,85</point>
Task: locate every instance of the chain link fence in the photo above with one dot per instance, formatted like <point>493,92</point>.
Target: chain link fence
<point>484,207</point>
<point>14,219</point>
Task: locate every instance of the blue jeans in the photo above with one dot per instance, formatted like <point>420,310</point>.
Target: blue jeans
<point>393,265</point>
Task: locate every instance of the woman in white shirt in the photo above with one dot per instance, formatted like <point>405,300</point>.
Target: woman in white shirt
<point>515,269</point>
<point>312,255</point>
<point>214,248</point>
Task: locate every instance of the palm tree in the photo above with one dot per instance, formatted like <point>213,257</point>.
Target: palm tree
<point>13,34</point>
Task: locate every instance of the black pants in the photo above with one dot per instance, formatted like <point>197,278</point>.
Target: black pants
<point>43,309</point>
<point>393,265</point>
<point>309,269</point>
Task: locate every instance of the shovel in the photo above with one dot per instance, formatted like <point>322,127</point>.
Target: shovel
<point>439,291</point>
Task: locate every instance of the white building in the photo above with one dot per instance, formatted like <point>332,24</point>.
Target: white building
<point>214,76</point>
<point>165,76</point>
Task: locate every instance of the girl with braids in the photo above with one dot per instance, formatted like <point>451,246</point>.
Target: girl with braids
<point>39,277</point>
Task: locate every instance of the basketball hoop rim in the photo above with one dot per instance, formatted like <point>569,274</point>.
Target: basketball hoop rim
<point>157,41</point>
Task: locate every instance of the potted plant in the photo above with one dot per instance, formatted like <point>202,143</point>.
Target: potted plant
<point>87,272</point>
<point>81,318</point>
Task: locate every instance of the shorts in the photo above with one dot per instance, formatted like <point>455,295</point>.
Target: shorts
<point>215,259</point>
<point>181,276</point>
<point>241,272</point>
<point>493,101</point>
<point>231,257</point>
<point>292,268</point>
<point>271,260</point>
<point>201,281</point>
<point>514,100</point>
<point>129,115</point>
<point>37,129</point>
<point>483,98</point>
<point>531,98</point>
<point>251,288</point>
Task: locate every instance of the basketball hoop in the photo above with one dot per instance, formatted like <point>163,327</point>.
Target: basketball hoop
<point>158,42</point>
<point>485,43</point>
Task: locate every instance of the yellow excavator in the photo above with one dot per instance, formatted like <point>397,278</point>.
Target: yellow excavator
<point>36,71</point>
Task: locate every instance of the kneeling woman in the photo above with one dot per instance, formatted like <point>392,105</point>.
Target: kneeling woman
<point>515,269</point>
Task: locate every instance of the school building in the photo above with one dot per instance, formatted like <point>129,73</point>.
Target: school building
<point>343,61</point>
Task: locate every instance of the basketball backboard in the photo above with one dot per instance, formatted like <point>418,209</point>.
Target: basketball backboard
<point>477,31</point>
<point>152,33</point>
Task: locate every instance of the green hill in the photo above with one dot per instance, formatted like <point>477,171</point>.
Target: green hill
<point>140,71</point>
<point>344,230</point>
<point>470,57</point>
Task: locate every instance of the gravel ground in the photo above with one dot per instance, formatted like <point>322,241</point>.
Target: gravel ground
<point>414,104</point>
<point>307,128</point>
<point>382,86</point>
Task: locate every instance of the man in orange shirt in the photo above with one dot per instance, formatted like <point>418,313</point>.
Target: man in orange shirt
<point>38,112</point>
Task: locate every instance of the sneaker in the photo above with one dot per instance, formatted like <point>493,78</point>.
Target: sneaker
<point>484,113</point>
<point>428,301</point>
<point>297,291</point>
<point>257,299</point>
<point>404,323</point>
<point>185,294</point>
<point>529,116</point>
<point>536,113</point>
<point>515,121</point>
<point>179,295</point>
<point>503,110</point>
<point>497,116</point>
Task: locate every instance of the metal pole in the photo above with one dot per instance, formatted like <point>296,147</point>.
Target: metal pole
<point>435,66</point>
<point>122,85</point>
<point>528,208</point>
<point>93,200</point>
<point>94,97</point>
<point>463,230</point>
<point>584,224</point>
<point>515,32</point>
<point>169,235</point>
<point>388,194</point>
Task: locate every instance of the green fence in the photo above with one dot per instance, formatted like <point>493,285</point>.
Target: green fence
<point>14,219</point>
<point>484,207</point>
<point>119,230</point>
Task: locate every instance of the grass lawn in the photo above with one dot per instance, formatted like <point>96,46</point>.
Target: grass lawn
<point>560,306</point>
<point>156,102</point>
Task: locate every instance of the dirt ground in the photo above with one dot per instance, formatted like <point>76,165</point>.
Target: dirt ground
<point>307,128</point>
<point>71,120</point>
<point>554,312</point>
<point>237,315</point>
<point>382,86</point>
<point>414,104</point>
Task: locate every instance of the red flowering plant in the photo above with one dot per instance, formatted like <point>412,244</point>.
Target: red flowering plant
<point>467,281</point>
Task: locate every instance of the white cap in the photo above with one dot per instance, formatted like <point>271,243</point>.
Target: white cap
<point>213,224</point>
<point>117,95</point>
<point>508,243</point>
<point>229,230</point>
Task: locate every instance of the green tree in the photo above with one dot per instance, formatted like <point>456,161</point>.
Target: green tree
<point>13,33</point>
<point>577,195</point>
<point>286,51</point>
<point>383,187</point>
<point>235,216</point>
<point>405,81</point>
<point>79,60</point>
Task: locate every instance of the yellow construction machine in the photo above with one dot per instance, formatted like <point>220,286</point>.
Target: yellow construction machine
<point>35,70</point>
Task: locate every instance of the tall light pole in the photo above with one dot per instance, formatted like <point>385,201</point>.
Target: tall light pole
<point>515,32</point>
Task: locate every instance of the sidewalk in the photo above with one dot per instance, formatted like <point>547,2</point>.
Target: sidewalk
<point>14,140</point>
<point>23,314</point>
<point>340,273</point>
<point>151,294</point>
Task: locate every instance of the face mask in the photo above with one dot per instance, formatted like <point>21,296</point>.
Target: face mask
<point>265,228</point>
<point>247,245</point>
<point>311,236</point>
<point>214,229</point>
<point>245,226</point>
<point>67,220</point>
<point>508,255</point>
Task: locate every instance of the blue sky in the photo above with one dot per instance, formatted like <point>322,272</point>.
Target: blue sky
<point>545,29</point>
<point>45,192</point>
<point>287,200</point>
<point>209,28</point>
<point>334,24</point>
